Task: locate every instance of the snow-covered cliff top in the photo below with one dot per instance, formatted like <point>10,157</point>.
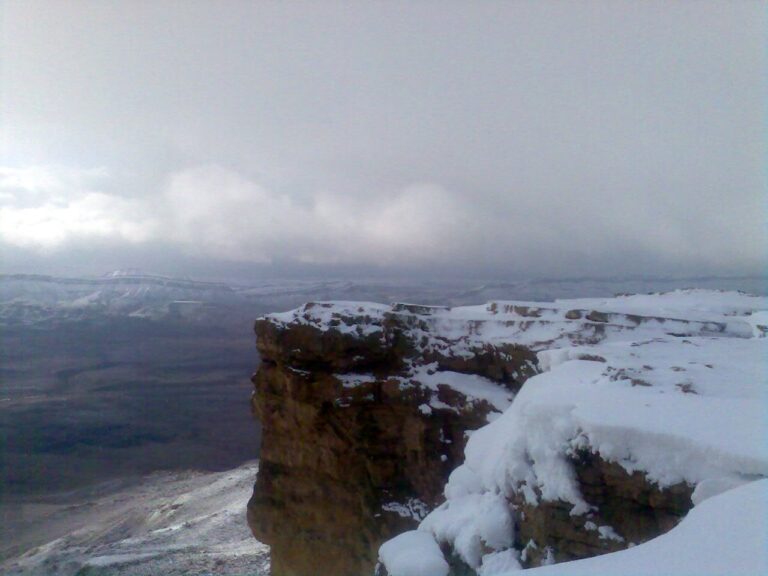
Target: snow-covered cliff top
<point>552,324</point>
<point>671,385</point>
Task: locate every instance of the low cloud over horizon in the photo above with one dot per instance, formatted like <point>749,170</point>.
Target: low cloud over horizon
<point>540,139</point>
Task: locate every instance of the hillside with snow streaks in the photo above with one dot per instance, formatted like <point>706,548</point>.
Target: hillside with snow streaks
<point>35,299</point>
<point>670,386</point>
<point>183,523</point>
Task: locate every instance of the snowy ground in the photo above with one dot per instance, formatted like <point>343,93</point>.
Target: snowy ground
<point>726,534</point>
<point>673,385</point>
<point>171,523</point>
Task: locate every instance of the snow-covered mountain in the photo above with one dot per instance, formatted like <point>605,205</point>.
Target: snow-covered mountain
<point>30,299</point>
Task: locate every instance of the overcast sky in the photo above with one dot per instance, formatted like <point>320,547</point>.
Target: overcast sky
<point>496,138</point>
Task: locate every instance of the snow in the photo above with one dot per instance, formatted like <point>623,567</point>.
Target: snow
<point>668,434</point>
<point>608,533</point>
<point>670,385</point>
<point>472,386</point>
<point>726,534</point>
<point>413,554</point>
<point>471,523</point>
<point>413,508</point>
<point>497,563</point>
<point>348,380</point>
<point>691,304</point>
<point>713,486</point>
<point>336,315</point>
<point>759,323</point>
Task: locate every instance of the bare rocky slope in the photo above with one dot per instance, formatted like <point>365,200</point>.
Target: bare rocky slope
<point>366,412</point>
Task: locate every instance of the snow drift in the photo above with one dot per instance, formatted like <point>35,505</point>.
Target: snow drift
<point>668,387</point>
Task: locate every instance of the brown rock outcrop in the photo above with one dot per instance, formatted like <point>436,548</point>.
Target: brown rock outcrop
<point>627,509</point>
<point>356,447</point>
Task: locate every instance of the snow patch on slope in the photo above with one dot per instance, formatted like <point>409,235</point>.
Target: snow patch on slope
<point>681,400</point>
<point>172,524</point>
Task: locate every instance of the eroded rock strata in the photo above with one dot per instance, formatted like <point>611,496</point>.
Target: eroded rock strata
<point>366,410</point>
<point>361,428</point>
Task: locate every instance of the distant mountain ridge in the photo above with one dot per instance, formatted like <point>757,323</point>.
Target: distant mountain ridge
<point>115,278</point>
<point>33,298</point>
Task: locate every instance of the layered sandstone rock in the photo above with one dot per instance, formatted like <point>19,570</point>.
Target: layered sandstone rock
<point>361,427</point>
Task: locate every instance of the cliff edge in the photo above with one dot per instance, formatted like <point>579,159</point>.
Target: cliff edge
<point>581,417</point>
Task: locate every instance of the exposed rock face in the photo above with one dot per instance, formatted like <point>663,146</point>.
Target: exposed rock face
<point>360,432</point>
<point>628,508</point>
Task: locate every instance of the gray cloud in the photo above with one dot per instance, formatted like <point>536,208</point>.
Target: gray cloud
<point>535,138</point>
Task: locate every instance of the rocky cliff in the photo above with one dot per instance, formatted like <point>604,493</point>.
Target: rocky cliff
<point>366,411</point>
<point>362,423</point>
